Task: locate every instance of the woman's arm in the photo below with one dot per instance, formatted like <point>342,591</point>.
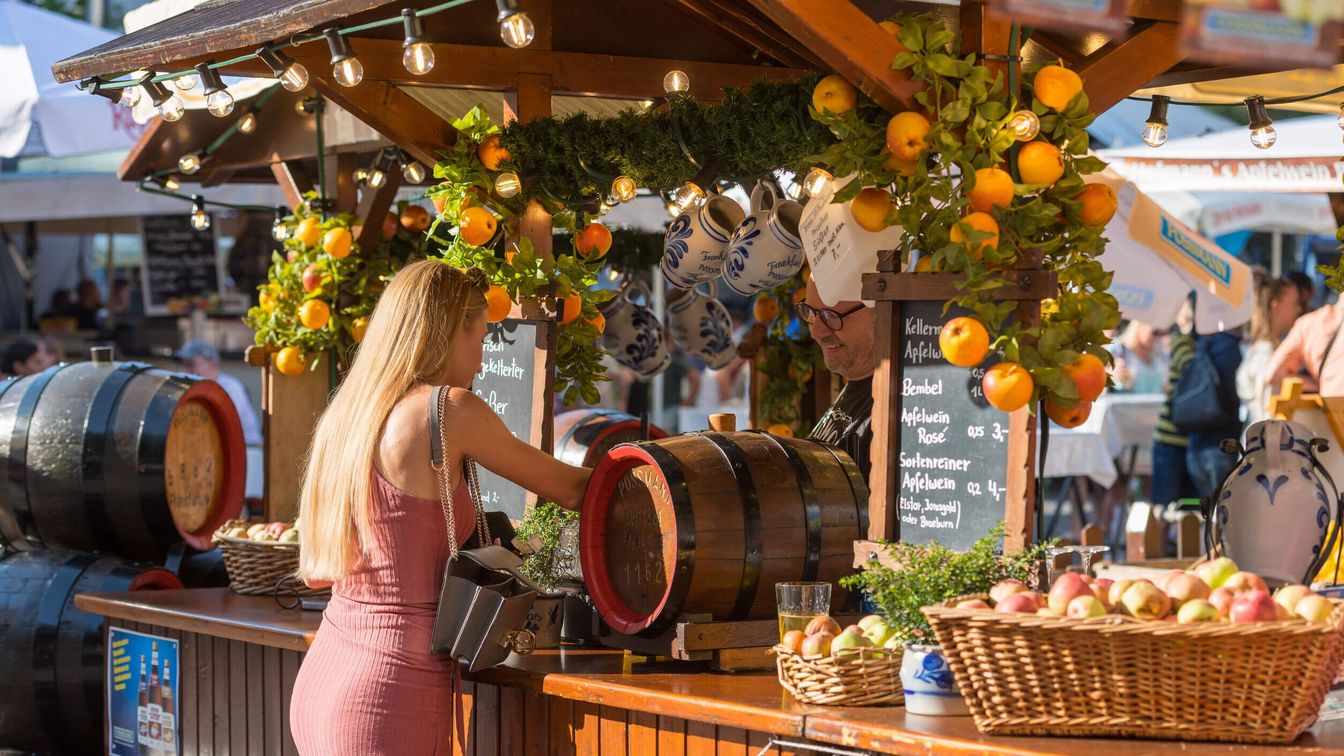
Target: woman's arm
<point>474,430</point>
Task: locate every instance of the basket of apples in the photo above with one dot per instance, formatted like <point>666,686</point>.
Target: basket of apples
<point>857,666</point>
<point>1204,654</point>
<point>259,555</point>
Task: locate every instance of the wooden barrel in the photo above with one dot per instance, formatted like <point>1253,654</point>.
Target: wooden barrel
<point>51,654</point>
<point>709,522</point>
<point>117,457</point>
<point>583,436</point>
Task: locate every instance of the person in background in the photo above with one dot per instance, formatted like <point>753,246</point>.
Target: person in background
<point>26,357</point>
<point>1306,288</point>
<point>1278,305</point>
<point>202,359</point>
<point>60,304</point>
<point>1141,359</point>
<point>1310,348</point>
<point>849,348</point>
<point>1171,476</point>
<point>87,309</point>
<point>1206,461</point>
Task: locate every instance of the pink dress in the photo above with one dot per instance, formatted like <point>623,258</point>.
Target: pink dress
<point>369,684</point>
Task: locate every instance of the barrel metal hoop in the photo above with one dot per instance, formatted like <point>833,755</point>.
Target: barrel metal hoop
<point>670,468</point>
<point>857,484</point>
<point>18,453</point>
<point>811,509</point>
<point>754,547</point>
<point>152,453</point>
<point>46,638</point>
<point>103,408</point>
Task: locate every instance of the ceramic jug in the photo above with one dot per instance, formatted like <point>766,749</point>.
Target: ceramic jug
<point>1272,512</point>
<point>701,326</point>
<point>633,336</point>
<point>697,241</point>
<point>930,688</point>
<point>765,250</point>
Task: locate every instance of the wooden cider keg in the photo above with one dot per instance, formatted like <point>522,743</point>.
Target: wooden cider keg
<point>51,654</point>
<point>117,457</point>
<point>709,522</point>
<point>583,436</point>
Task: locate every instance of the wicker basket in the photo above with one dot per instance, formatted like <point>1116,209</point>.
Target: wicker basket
<point>256,567</point>
<point>861,677</point>
<point>1116,676</point>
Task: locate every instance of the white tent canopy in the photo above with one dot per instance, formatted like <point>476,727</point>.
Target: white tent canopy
<point>1305,159</point>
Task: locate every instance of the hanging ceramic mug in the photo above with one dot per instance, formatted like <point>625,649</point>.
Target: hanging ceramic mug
<point>633,336</point>
<point>701,326</point>
<point>697,241</point>
<point>765,250</point>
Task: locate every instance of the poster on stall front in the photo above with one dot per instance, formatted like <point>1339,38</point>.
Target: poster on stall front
<point>1104,16</point>
<point>1273,33</point>
<point>142,694</point>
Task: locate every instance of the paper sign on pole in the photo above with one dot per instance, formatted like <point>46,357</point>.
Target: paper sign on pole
<point>838,251</point>
<point>1302,33</point>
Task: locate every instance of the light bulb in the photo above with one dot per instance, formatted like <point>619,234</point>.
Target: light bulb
<point>170,184</point>
<point>676,82</point>
<point>517,30</point>
<point>189,163</point>
<point>200,219</point>
<point>413,172</point>
<point>1262,128</point>
<point>219,103</point>
<point>279,231</point>
<point>1264,137</point>
<point>248,123</point>
<point>184,83</point>
<point>360,175</point>
<point>623,188</point>
<point>130,97</point>
<point>294,77</point>
<point>1025,125</point>
<point>1155,134</point>
<point>418,58</point>
<point>507,185</point>
<point>376,178</point>
<point>348,72</point>
<point>816,181</point>
<point>795,191</point>
<point>688,196</point>
<point>171,109</point>
<point>301,107</point>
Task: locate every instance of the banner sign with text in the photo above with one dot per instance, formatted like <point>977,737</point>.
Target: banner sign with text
<point>1103,16</point>
<point>1310,175</point>
<point>143,677</point>
<point>1271,33</point>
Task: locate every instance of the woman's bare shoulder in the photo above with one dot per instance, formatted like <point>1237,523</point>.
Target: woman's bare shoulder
<point>407,426</point>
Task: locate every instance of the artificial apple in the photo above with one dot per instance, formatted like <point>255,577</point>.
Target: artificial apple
<point>1145,601</point>
<point>1215,572</point>
<point>822,624</point>
<point>1082,607</point>
<point>1019,603</point>
<point>850,639</point>
<point>1222,598</point>
<point>1254,606</point>
<point>1289,595</point>
<point>818,644</point>
<point>1197,610</point>
<point>1065,588</point>
<point>1314,608</point>
<point>1246,581</point>
<point>794,640</point>
<point>1183,587</point>
<point>972,604</point>
<point>1005,588</point>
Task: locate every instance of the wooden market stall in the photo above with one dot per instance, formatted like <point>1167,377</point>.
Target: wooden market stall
<point>245,652</point>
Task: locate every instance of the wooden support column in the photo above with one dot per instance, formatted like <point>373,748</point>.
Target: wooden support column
<point>293,181</point>
<point>347,193</point>
<point>884,479</point>
<point>373,207</point>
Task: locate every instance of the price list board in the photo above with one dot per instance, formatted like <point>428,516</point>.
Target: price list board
<point>511,374</point>
<point>953,444</point>
<point>179,262</point>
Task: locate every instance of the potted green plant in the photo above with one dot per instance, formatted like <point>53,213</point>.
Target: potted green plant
<point>550,562</point>
<point>930,574</point>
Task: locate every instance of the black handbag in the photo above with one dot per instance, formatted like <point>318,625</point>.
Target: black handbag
<point>1201,399</point>
<point>485,599</point>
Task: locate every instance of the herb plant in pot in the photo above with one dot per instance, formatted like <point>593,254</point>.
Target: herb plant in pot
<point>930,574</point>
<point>550,561</point>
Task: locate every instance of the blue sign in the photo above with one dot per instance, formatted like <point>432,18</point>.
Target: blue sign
<point>142,694</point>
<point>1192,249</point>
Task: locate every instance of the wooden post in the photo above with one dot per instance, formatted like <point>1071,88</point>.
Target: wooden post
<point>290,407</point>
<point>373,207</point>
<point>293,181</point>
<point>1144,534</point>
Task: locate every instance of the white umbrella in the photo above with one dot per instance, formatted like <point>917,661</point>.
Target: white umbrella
<point>1158,261</point>
<point>68,121</point>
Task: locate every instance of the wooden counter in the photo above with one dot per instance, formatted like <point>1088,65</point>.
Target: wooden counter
<point>245,652</point>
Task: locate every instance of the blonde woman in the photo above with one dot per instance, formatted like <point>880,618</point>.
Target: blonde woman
<point>371,523</point>
<point>1278,305</point>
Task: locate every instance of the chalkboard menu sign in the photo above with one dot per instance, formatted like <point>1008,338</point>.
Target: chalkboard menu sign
<point>954,445</point>
<point>179,262</point>
<point>506,382</point>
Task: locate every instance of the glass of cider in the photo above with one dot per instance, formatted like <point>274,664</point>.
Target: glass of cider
<point>800,603</point>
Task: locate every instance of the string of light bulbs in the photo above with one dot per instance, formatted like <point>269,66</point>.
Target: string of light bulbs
<point>1260,124</point>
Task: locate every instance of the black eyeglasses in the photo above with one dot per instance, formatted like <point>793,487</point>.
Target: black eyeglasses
<point>830,318</point>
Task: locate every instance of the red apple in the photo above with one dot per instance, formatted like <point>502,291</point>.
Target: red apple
<point>1066,588</point>
<point>818,644</point>
<point>1005,588</point>
<point>1222,599</point>
<point>1161,580</point>
<point>1101,588</point>
<point>1197,610</point>
<point>823,624</point>
<point>1254,606</point>
<point>312,278</point>
<point>857,630</point>
<point>1246,581</point>
<point>1082,607</point>
<point>1019,603</point>
<point>1183,587</point>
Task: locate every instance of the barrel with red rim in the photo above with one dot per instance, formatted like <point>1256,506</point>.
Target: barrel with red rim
<point>583,436</point>
<point>709,522</point>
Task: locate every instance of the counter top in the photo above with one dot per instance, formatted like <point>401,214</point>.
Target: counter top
<point>752,700</point>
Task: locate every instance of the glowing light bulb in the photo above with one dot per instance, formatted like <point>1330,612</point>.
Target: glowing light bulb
<point>301,107</point>
<point>816,181</point>
<point>189,163</point>
<point>377,178</point>
<point>184,83</point>
<point>348,72</point>
<point>171,109</point>
<point>294,77</point>
<point>279,231</point>
<point>623,188</point>
<point>689,195</point>
<point>1262,128</point>
<point>1264,137</point>
<point>170,184</point>
<point>360,175</point>
<point>676,82</point>
<point>508,185</point>
<point>200,219</point>
<point>517,30</point>
<point>418,58</point>
<point>1025,125</point>
<point>130,97</point>
<point>413,172</point>
<point>1155,134</point>
<point>219,103</point>
<point>248,123</point>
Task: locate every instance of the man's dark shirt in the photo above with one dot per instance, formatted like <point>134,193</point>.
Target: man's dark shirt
<point>848,424</point>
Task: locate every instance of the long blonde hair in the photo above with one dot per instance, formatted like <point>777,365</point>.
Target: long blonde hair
<point>1269,292</point>
<point>409,338</point>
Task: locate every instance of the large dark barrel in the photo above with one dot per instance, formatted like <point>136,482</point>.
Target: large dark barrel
<point>583,436</point>
<point>709,522</point>
<point>117,457</point>
<point>51,654</point>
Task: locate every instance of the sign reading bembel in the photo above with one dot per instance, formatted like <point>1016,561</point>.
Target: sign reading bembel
<point>142,694</point>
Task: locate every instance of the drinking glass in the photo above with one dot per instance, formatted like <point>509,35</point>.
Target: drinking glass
<point>800,603</point>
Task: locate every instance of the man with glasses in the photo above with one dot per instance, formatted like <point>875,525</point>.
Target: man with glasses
<point>845,333</point>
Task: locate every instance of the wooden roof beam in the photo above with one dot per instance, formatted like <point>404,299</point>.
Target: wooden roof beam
<point>393,113</point>
<point>1116,71</point>
<point>749,31</point>
<point>848,41</point>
